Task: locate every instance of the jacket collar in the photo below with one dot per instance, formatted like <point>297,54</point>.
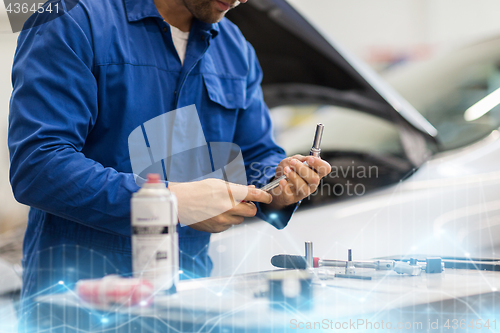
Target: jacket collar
<point>138,10</point>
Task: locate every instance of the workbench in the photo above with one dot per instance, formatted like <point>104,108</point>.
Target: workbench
<point>461,299</point>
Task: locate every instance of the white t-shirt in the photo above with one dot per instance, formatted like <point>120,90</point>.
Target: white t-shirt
<point>180,40</point>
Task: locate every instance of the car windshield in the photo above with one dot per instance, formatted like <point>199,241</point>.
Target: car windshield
<point>458,93</point>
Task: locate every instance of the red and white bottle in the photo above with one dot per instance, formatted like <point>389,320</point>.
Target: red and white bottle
<point>155,242</point>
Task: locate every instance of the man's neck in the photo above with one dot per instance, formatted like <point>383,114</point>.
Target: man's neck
<point>175,13</point>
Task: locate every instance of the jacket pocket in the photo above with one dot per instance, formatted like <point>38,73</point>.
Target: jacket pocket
<point>229,92</point>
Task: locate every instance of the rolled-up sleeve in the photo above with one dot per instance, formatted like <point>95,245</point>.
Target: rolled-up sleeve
<point>52,110</point>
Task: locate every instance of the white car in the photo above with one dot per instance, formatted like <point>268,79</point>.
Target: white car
<point>403,183</point>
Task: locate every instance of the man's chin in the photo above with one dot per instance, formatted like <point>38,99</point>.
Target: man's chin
<point>213,18</point>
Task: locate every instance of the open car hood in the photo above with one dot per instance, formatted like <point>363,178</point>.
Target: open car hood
<point>301,66</point>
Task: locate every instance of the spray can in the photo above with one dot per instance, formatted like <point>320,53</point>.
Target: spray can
<point>155,242</point>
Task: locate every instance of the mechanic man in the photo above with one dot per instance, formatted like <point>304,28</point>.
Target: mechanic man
<point>84,81</point>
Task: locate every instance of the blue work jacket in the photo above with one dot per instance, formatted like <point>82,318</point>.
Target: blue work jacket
<point>81,84</point>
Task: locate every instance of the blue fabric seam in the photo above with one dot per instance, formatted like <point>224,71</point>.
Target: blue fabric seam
<point>225,76</point>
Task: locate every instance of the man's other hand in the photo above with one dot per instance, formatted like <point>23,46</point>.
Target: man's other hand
<point>213,205</point>
<point>301,180</point>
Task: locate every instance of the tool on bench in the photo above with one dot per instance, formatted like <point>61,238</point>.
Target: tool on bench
<point>414,267</point>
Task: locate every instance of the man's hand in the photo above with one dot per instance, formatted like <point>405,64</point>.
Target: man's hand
<point>301,180</point>
<point>214,205</point>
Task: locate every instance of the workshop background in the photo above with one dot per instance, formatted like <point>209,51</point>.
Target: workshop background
<point>386,34</point>
<point>383,33</point>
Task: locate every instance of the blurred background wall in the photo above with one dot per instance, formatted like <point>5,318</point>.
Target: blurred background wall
<point>12,214</point>
<point>381,32</point>
<point>384,32</point>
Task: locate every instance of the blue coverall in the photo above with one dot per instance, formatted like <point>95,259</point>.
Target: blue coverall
<point>81,84</point>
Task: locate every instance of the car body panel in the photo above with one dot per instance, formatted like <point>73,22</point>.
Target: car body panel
<point>449,207</point>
